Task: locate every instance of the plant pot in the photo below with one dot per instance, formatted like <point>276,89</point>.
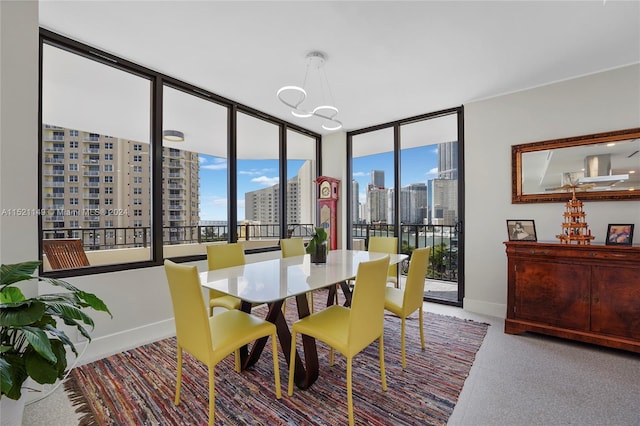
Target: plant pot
<point>12,410</point>
<point>319,255</point>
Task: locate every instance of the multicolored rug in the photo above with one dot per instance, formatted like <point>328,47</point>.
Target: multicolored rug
<point>137,387</point>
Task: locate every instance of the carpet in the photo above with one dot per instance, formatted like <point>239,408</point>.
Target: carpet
<point>136,387</point>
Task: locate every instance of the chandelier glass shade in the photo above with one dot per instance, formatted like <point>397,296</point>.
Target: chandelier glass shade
<point>296,97</point>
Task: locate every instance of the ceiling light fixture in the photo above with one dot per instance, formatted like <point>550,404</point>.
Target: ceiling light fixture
<point>295,96</point>
<point>173,135</point>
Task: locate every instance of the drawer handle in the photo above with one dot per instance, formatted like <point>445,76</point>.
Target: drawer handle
<point>532,251</point>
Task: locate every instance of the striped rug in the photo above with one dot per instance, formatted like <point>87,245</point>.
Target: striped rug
<point>137,387</point>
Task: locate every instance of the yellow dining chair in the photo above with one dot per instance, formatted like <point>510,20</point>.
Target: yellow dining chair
<point>224,256</point>
<point>211,339</point>
<point>386,245</point>
<point>404,302</point>
<point>350,330</point>
<point>295,247</point>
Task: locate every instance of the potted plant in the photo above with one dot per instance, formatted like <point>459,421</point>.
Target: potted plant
<point>31,344</point>
<point>317,246</point>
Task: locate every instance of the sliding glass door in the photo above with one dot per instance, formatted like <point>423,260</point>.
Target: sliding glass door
<point>406,181</point>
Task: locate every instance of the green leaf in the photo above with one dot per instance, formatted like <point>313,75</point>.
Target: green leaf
<point>40,369</point>
<point>6,381</point>
<point>10,274</point>
<point>11,295</point>
<point>95,302</point>
<point>40,342</point>
<point>24,313</point>
<point>18,374</point>
<point>60,335</point>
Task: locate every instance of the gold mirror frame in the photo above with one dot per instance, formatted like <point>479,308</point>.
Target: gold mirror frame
<point>517,151</point>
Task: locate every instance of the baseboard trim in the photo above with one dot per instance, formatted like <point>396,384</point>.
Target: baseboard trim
<point>482,307</point>
<point>105,346</point>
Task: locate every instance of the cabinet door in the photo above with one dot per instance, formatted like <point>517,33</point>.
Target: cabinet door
<point>552,293</point>
<point>616,301</point>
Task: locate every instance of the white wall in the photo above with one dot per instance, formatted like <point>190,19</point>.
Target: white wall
<point>334,164</point>
<point>592,104</point>
<point>18,130</point>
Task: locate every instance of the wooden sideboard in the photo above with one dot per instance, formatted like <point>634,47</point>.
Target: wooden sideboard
<point>589,293</point>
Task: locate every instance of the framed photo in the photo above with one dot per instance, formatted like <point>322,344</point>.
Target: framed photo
<point>521,230</point>
<point>619,234</point>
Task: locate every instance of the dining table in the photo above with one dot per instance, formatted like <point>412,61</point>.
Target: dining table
<point>272,281</point>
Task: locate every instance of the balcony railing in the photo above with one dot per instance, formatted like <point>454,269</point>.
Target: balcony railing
<point>109,238</point>
<point>443,240</point>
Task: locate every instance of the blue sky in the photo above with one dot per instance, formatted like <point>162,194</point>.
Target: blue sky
<point>417,165</point>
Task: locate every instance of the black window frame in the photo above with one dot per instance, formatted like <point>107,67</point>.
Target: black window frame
<point>158,81</point>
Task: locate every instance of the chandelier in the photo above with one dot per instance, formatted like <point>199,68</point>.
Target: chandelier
<point>295,96</point>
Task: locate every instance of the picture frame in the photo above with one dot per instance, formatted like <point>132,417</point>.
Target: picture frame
<point>619,234</point>
<point>521,230</point>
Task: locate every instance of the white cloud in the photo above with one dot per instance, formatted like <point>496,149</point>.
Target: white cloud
<point>221,166</point>
<point>360,174</point>
<point>266,181</point>
<point>240,204</point>
<point>432,172</point>
<point>218,164</point>
<point>255,172</point>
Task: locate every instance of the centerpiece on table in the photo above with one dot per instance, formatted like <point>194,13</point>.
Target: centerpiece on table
<point>317,247</point>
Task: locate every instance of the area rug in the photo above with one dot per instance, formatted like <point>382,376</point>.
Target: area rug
<point>137,387</point>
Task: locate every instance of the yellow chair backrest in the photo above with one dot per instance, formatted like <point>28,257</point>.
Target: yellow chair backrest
<point>366,321</point>
<point>191,318</point>
<point>225,256</point>
<point>414,286</point>
<point>292,247</point>
<point>385,245</point>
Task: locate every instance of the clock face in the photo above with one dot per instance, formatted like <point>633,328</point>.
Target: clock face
<point>325,191</point>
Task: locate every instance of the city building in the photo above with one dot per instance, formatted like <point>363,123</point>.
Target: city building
<point>97,188</point>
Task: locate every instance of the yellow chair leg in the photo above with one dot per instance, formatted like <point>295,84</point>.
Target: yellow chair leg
<point>383,373</point>
<point>179,378</point>
<point>404,361</point>
<point>212,395</point>
<point>349,395</point>
<point>292,363</point>
<point>276,368</point>
<point>236,357</point>
<point>331,357</point>
<point>421,330</point>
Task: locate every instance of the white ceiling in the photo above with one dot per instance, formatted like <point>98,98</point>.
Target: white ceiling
<point>386,60</point>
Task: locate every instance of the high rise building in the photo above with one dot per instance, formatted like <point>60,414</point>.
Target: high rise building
<point>413,203</point>
<point>98,188</point>
<point>448,160</point>
<point>355,201</point>
<point>444,203</point>
<point>376,204</point>
<point>377,178</point>
<point>263,205</point>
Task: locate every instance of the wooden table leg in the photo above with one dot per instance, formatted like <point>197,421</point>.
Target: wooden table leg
<point>306,372</point>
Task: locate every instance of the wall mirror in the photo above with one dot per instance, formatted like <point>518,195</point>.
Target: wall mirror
<point>603,166</point>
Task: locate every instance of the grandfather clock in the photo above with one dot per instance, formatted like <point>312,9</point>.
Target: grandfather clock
<point>328,207</point>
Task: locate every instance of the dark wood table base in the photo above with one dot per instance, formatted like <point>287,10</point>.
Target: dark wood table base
<point>306,372</point>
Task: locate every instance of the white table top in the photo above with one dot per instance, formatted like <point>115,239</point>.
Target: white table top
<point>277,279</point>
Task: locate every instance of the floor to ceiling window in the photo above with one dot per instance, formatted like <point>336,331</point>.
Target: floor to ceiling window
<point>194,172</point>
<point>301,172</point>
<point>258,182</point>
<point>406,181</point>
<point>95,158</point>
<point>137,166</point>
